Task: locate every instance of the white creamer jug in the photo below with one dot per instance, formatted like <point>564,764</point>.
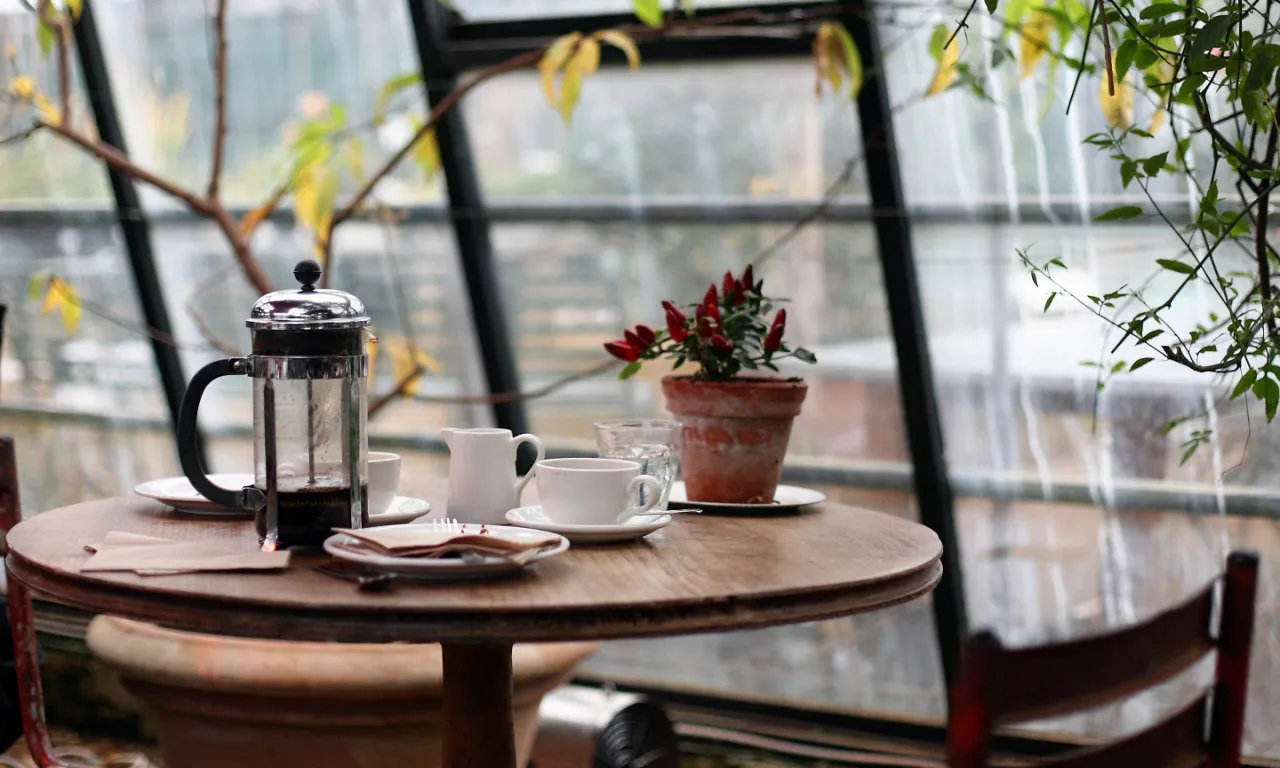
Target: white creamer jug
<point>483,485</point>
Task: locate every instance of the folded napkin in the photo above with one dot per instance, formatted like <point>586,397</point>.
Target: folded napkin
<point>151,556</point>
<point>423,541</point>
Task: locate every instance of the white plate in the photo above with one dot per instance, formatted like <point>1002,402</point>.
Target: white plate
<point>178,493</point>
<point>638,526</point>
<point>403,509</point>
<point>342,546</point>
<point>786,497</point>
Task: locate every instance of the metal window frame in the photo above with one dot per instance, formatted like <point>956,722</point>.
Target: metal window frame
<point>431,24</point>
<point>132,218</point>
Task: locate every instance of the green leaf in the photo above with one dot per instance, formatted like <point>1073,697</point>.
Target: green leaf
<point>1049,301</point>
<point>648,11</point>
<point>1128,169</point>
<point>1152,165</point>
<point>1172,425</point>
<point>1261,65</point>
<point>1255,108</point>
<point>937,40</point>
<point>1176,266</point>
<point>1139,363</point>
<point>630,370</point>
<point>389,90</point>
<point>1124,58</point>
<point>1210,34</point>
<point>992,5</point>
<point>44,36</point>
<point>1246,381</point>
<point>1189,452</point>
<point>1157,10</point>
<point>1118,367</point>
<point>1123,212</point>
<point>1268,391</point>
<point>771,367</point>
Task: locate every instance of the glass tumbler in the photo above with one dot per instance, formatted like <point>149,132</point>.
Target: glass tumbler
<point>653,443</point>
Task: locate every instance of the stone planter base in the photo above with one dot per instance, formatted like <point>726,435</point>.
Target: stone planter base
<point>219,701</point>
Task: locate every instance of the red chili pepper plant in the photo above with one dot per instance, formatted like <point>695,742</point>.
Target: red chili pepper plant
<point>732,330</point>
<point>737,422</point>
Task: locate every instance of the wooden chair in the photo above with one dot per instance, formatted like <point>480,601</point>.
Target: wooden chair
<point>999,685</point>
<point>22,624</point>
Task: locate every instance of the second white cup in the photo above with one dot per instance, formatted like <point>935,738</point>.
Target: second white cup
<point>384,480</point>
<point>593,491</point>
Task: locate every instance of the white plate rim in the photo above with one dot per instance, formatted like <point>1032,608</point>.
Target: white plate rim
<point>810,496</point>
<point>617,532</point>
<point>194,502</point>
<point>424,567</point>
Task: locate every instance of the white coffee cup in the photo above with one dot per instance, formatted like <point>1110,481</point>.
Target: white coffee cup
<point>593,491</point>
<point>384,480</point>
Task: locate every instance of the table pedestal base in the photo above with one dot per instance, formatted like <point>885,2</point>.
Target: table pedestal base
<point>479,727</point>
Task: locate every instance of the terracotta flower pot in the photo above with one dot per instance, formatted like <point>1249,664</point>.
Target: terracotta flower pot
<point>221,701</point>
<point>735,434</point>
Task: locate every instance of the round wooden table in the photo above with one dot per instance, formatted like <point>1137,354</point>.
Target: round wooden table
<point>702,573</point>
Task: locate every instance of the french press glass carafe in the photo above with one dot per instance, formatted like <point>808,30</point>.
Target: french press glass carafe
<point>310,447</point>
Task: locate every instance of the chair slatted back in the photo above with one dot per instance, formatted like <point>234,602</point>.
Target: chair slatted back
<point>1001,685</point>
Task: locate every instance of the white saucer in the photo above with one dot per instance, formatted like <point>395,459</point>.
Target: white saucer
<point>346,547</point>
<point>403,509</point>
<point>638,526</point>
<point>177,492</point>
<point>786,497</point>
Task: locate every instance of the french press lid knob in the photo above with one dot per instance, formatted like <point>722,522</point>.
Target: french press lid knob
<point>307,272</point>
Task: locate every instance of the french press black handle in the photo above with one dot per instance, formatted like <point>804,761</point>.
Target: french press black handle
<point>187,454</point>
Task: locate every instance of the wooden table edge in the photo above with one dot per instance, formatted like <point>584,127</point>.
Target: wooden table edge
<point>584,623</point>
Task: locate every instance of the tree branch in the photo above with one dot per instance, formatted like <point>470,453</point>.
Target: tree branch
<point>201,288</point>
<point>220,97</point>
<point>963,24</point>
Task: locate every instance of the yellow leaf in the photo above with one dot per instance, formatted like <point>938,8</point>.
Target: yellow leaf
<point>1117,109</point>
<point>75,6</point>
<point>70,309</point>
<point>845,52</point>
<point>1164,73</point>
<point>22,86</point>
<point>313,195</point>
<point>570,88</point>
<point>253,218</point>
<point>946,71</point>
<point>623,42</point>
<point>49,112</point>
<point>1033,41</point>
<point>388,92</point>
<point>52,297</point>
<point>823,64</point>
<point>557,54</point>
<point>587,59</point>
<point>426,153</point>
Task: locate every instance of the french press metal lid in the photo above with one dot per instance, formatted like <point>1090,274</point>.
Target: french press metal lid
<point>309,369</point>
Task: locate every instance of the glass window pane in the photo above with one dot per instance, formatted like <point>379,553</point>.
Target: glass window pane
<point>571,287</point>
<point>1077,510</point>
<point>666,134</point>
<point>287,65</point>
<point>484,10</point>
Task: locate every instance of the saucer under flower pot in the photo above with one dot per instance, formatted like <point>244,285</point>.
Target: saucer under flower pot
<point>735,434</point>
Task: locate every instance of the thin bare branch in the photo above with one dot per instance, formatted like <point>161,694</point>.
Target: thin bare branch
<point>13,139</point>
<point>963,23</point>
<point>199,289</point>
<point>220,97</point>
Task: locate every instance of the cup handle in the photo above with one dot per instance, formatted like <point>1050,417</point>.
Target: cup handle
<point>542,454</point>
<point>655,495</point>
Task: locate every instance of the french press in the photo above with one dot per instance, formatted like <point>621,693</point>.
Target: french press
<point>310,447</point>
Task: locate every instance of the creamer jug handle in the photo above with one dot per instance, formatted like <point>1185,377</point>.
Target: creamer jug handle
<point>542,454</point>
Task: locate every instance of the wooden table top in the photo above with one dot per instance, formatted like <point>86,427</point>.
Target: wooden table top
<point>701,573</point>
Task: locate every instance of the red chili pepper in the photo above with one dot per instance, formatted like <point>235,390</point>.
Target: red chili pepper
<point>670,307</point>
<point>634,340</point>
<point>774,338</point>
<point>675,326</point>
<point>711,300</point>
<point>704,327</point>
<point>646,334</point>
<point>721,344</point>
<point>739,293</point>
<point>622,350</point>
<point>748,278</point>
<point>726,284</point>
